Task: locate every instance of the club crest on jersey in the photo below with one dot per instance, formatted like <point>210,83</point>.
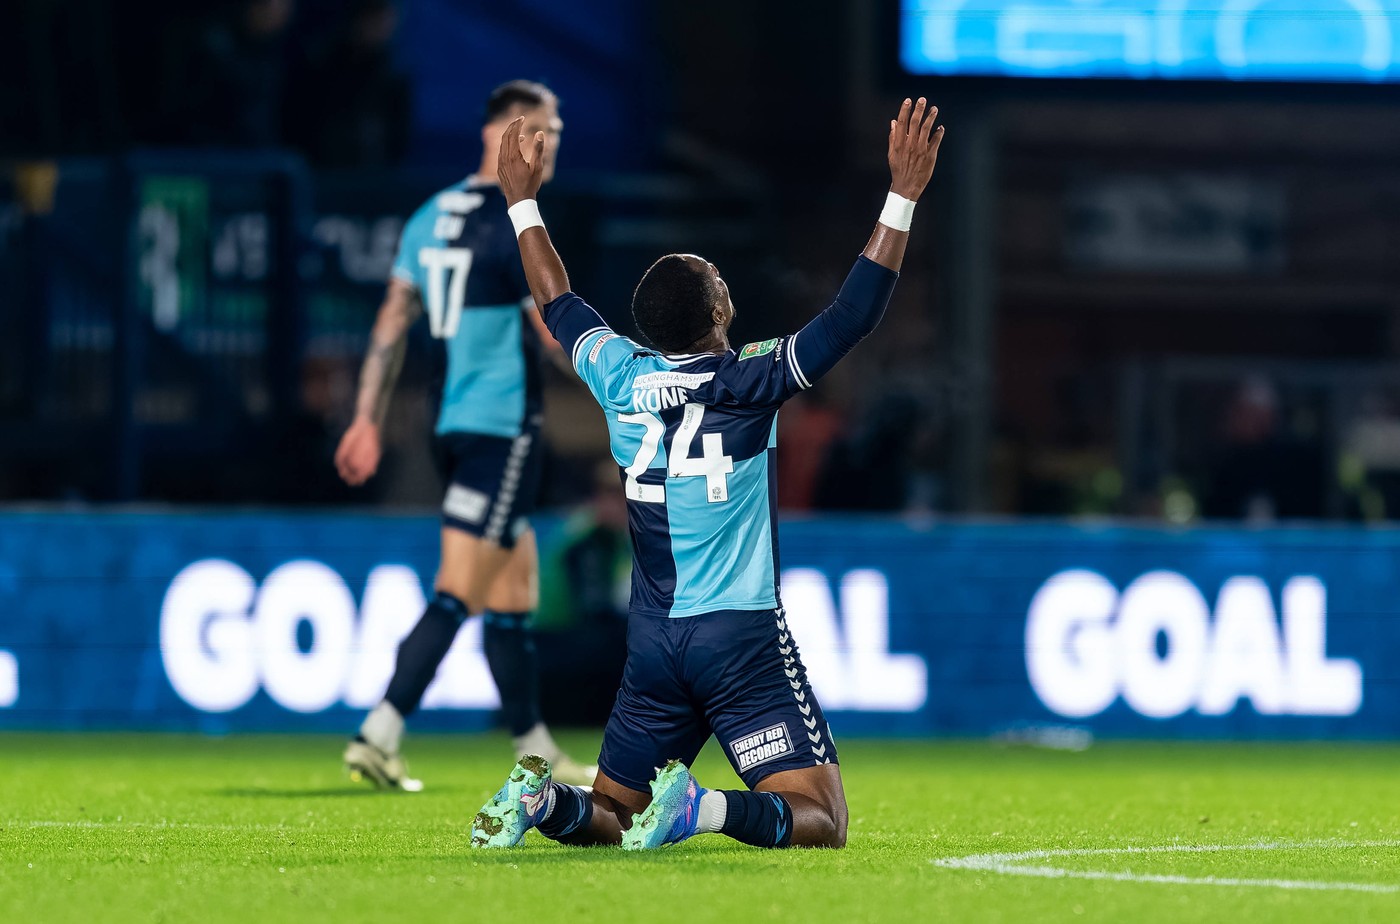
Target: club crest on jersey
<point>762,348</point>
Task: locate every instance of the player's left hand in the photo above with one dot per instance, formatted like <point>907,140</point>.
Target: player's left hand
<point>913,148</point>
<point>357,456</point>
<point>520,178</point>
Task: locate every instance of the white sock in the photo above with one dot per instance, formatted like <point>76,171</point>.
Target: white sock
<point>537,741</point>
<point>714,808</point>
<point>383,728</point>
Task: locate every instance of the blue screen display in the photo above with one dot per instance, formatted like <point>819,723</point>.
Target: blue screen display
<point>290,622</point>
<point>1293,40</point>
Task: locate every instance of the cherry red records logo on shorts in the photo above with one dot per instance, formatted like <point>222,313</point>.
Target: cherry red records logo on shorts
<point>761,746</point>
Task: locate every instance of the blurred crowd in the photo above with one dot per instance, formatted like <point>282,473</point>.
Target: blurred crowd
<point>1095,391</point>
<point>92,77</point>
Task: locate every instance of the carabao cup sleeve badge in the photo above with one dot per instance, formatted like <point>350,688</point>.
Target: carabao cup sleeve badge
<point>761,348</point>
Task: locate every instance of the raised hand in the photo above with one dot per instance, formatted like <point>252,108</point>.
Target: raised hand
<point>914,145</point>
<point>519,178</point>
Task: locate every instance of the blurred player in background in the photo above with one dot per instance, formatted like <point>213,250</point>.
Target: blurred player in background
<point>458,260</point>
<point>709,651</point>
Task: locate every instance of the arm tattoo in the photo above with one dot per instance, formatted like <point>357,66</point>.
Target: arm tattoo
<point>380,371</point>
<point>388,343</point>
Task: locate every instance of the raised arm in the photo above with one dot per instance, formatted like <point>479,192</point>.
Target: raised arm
<point>520,181</point>
<point>357,457</point>
<point>859,306</point>
<point>913,152</point>
<point>569,318</point>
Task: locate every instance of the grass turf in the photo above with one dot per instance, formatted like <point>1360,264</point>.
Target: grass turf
<point>117,828</point>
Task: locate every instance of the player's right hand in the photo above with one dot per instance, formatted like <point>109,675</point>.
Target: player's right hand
<point>520,179</point>
<point>357,457</point>
<point>914,145</point>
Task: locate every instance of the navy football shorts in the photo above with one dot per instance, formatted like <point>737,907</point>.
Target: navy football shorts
<point>492,483</point>
<point>734,674</point>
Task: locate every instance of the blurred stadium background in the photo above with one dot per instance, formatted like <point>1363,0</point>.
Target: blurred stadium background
<point>1122,459</point>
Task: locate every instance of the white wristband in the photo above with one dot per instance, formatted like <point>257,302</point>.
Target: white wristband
<point>898,212</point>
<point>525,215</point>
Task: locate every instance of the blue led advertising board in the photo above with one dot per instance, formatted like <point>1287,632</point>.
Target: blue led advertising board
<point>1349,41</point>
<point>225,622</point>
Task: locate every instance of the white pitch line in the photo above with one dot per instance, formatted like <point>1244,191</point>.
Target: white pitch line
<point>196,825</point>
<point>1011,864</point>
<point>158,825</point>
<point>179,825</point>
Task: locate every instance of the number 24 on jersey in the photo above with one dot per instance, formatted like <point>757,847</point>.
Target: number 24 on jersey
<point>712,464</point>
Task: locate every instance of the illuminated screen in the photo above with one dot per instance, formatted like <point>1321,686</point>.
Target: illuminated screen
<point>1296,40</point>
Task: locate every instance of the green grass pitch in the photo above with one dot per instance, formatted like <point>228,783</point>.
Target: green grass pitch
<point>256,830</point>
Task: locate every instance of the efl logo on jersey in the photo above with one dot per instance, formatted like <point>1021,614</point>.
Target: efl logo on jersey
<point>761,348</point>
<point>761,747</point>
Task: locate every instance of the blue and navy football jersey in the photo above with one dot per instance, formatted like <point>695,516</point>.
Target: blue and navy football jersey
<point>695,437</point>
<point>459,252</point>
